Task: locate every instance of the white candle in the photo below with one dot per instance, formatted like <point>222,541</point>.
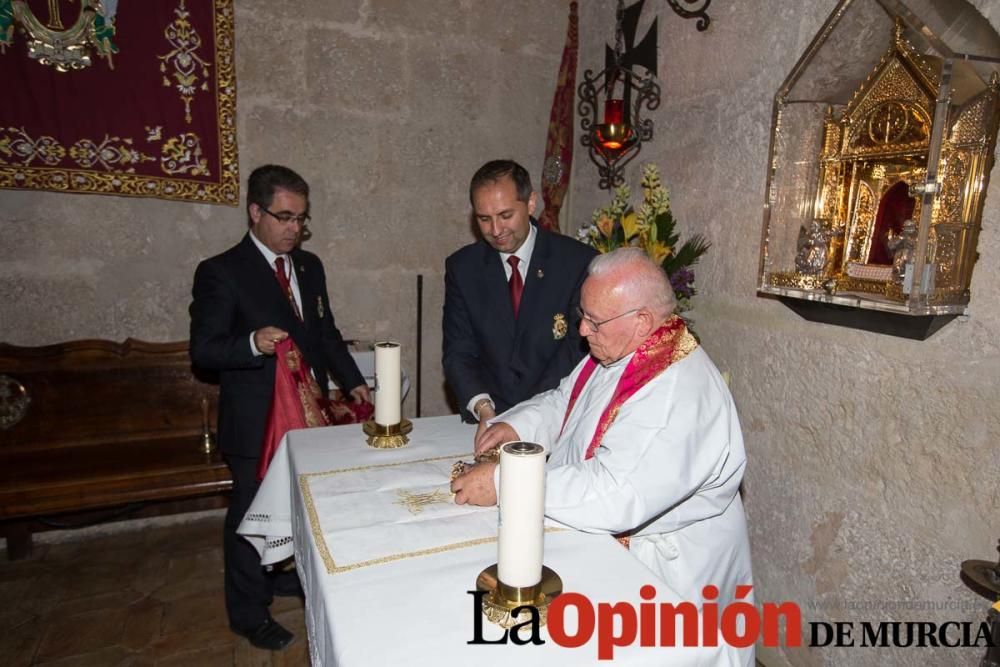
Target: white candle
<point>522,508</point>
<point>387,384</point>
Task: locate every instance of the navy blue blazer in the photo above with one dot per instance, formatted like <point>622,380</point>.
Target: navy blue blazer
<point>485,350</point>
<point>236,293</point>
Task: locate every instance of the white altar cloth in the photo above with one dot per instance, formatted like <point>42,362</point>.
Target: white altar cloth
<point>388,586</point>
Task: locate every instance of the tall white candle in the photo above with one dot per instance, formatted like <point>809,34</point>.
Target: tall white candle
<point>387,383</point>
<point>522,509</point>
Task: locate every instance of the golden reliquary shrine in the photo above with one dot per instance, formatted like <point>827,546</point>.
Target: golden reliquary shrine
<point>881,149</point>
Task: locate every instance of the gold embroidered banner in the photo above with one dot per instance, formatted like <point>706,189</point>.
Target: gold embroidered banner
<point>125,98</point>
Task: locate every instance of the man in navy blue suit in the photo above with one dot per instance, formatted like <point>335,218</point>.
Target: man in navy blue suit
<point>259,292</point>
<point>510,324</point>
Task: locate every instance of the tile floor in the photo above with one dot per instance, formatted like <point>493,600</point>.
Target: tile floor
<point>149,596</point>
<point>146,596</point>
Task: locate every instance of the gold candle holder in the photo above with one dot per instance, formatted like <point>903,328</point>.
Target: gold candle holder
<point>502,599</point>
<point>392,436</point>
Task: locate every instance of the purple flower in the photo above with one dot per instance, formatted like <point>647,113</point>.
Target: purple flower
<point>682,280</point>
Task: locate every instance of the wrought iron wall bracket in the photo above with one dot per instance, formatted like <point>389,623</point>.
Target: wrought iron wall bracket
<point>698,11</point>
<point>646,90</point>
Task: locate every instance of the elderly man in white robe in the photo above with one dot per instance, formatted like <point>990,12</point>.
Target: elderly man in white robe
<point>643,437</point>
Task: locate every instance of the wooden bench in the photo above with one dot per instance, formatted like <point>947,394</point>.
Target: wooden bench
<point>93,425</point>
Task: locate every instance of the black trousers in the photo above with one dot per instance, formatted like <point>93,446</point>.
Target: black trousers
<point>249,588</point>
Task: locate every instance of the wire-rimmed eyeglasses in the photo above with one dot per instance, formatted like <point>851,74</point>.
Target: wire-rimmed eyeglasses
<point>596,326</point>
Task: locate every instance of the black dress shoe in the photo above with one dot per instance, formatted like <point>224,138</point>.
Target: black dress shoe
<point>269,635</point>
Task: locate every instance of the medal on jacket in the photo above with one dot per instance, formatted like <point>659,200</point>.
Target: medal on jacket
<point>319,307</point>
<point>559,327</point>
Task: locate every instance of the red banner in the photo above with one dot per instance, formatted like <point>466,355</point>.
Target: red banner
<point>136,100</point>
<point>559,143</point>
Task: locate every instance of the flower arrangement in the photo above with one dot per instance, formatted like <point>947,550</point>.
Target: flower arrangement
<point>651,228</point>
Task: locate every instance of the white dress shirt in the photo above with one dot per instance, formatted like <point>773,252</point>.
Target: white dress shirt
<point>270,256</point>
<point>524,254</point>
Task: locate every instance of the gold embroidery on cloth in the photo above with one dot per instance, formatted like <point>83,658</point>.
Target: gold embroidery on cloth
<point>111,153</point>
<point>17,173</point>
<point>685,346</point>
<point>182,155</point>
<point>674,340</point>
<point>317,533</point>
<point>184,58</point>
<point>308,393</point>
<point>15,144</point>
<point>415,502</point>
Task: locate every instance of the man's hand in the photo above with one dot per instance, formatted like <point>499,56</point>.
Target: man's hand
<point>361,393</point>
<point>485,414</point>
<point>494,436</point>
<point>476,486</point>
<point>265,339</point>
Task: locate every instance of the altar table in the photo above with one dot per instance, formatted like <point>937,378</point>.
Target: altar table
<point>386,560</point>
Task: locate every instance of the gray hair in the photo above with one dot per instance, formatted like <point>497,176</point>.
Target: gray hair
<point>643,282</point>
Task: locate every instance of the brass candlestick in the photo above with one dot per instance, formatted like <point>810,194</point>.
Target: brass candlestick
<point>207,441</point>
<point>502,599</point>
<point>393,436</point>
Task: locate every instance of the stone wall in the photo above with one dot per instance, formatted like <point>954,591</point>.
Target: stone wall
<point>386,107</point>
<point>872,460</point>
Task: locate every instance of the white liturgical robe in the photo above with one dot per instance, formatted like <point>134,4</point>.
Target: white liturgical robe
<point>668,470</point>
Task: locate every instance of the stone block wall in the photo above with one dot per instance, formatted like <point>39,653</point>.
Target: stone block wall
<point>873,460</point>
<point>386,107</point>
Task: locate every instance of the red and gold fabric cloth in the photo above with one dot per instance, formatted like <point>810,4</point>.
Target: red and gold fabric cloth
<point>559,144</point>
<point>299,403</point>
<point>667,345</point>
<point>153,114</point>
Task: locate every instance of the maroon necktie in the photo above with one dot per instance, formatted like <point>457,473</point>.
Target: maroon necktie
<point>286,286</point>
<point>516,283</point>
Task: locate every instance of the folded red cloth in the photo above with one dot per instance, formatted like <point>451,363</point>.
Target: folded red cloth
<point>299,403</point>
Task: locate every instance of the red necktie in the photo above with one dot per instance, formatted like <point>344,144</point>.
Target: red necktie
<point>516,283</point>
<point>286,286</point>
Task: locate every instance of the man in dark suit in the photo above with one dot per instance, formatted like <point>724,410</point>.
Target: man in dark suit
<point>250,297</point>
<point>510,322</point>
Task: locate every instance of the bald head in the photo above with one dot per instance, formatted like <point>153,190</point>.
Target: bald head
<point>625,298</point>
<point>635,281</point>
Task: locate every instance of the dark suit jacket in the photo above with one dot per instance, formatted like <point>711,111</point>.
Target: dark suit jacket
<point>236,293</point>
<point>485,349</point>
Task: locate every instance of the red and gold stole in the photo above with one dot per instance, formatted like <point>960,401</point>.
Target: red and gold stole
<point>667,345</point>
<point>299,403</point>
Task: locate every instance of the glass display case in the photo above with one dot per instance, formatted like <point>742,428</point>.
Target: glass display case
<point>882,142</point>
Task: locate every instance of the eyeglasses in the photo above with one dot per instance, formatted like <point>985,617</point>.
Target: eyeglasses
<point>286,218</point>
<point>596,326</point>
